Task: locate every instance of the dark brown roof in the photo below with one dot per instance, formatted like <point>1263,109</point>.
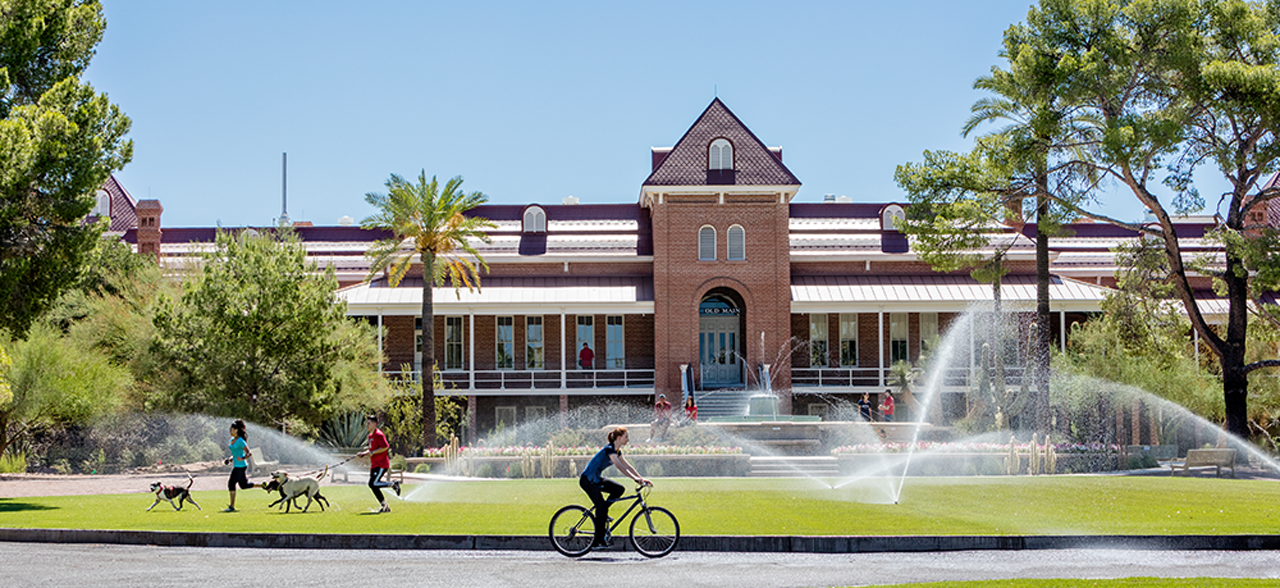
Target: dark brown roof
<point>753,163</point>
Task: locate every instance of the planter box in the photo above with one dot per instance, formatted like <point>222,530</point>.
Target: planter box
<point>565,466</point>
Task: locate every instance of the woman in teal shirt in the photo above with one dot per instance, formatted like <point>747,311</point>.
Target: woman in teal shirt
<point>239,447</point>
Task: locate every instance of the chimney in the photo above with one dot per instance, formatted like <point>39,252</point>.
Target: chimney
<point>149,228</point>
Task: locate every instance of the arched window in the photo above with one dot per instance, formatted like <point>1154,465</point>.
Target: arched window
<point>891,217</point>
<point>535,220</point>
<point>102,204</point>
<point>720,155</point>
<point>707,244</point>
<point>737,243</point>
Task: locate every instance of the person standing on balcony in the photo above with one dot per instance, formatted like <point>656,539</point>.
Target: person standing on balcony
<point>586,357</point>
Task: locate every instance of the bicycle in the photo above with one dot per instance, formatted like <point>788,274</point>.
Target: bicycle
<point>654,530</point>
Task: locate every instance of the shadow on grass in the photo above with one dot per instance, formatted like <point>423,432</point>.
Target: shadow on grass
<point>10,505</point>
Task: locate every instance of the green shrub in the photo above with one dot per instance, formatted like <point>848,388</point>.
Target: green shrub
<point>398,462</point>
<point>13,463</point>
<point>422,468</point>
<point>485,470</point>
<point>653,469</point>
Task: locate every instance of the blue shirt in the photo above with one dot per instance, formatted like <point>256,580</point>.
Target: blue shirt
<point>595,468</point>
<point>237,447</point>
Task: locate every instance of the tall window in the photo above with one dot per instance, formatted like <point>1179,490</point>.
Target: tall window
<point>587,335</point>
<point>533,343</point>
<point>452,342</point>
<point>707,244</point>
<point>504,416</point>
<point>849,339</point>
<point>898,337</point>
<point>720,155</point>
<point>535,220</point>
<point>614,354</point>
<point>818,340</point>
<point>737,243</point>
<point>505,350</point>
<point>417,344</point>
<point>928,329</point>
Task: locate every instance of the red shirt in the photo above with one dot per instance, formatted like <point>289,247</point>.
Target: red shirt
<point>888,406</point>
<point>378,440</point>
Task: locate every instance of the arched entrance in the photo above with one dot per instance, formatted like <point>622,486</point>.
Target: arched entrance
<point>720,341</point>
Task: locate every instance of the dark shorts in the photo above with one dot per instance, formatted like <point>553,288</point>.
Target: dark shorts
<point>238,478</point>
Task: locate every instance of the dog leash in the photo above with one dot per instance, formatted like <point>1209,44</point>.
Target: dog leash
<point>329,467</point>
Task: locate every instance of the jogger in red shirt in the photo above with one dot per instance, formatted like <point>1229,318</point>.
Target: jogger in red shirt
<point>379,453</point>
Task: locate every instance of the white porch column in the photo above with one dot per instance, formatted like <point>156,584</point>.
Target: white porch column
<point>471,340</point>
<point>564,377</point>
<point>381,358</point>
<point>880,343</point>
<point>1062,330</point>
<point>1195,339</point>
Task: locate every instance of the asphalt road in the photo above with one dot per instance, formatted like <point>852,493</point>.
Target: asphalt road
<point>60,565</point>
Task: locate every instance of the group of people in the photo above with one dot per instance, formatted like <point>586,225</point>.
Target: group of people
<point>886,407</point>
<point>379,453</point>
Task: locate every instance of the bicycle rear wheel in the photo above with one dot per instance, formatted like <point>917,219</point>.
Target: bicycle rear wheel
<point>654,531</point>
<point>572,530</point>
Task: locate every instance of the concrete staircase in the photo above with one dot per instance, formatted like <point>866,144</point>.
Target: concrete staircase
<point>793,467</point>
<point>726,402</point>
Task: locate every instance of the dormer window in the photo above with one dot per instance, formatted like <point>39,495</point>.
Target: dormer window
<point>720,155</point>
<point>102,204</point>
<point>535,220</point>
<point>891,218</point>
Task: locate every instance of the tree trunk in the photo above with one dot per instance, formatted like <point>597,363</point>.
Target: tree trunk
<point>1235,379</point>
<point>428,353</point>
<point>1043,318</point>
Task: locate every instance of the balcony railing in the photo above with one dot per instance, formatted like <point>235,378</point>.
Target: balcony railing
<point>856,377</point>
<point>540,379</point>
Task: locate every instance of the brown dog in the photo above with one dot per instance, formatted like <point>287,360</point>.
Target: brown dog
<point>172,493</point>
<point>274,486</point>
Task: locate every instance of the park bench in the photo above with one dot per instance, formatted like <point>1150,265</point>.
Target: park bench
<point>1200,458</point>
<point>258,460</point>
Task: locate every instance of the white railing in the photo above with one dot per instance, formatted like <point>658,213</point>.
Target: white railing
<point>539,379</point>
<point>857,377</point>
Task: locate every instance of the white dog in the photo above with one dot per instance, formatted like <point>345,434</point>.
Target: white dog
<point>291,488</point>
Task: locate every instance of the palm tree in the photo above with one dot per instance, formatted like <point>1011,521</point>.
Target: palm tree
<point>432,225</point>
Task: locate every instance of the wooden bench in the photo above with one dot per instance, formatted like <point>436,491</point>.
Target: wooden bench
<point>1200,458</point>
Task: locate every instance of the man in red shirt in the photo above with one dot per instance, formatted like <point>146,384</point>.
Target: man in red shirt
<point>379,453</point>
<point>587,357</point>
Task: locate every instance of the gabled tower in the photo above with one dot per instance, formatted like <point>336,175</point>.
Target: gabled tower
<point>719,200</point>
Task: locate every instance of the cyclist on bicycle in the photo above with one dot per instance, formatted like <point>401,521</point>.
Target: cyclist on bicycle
<point>596,485</point>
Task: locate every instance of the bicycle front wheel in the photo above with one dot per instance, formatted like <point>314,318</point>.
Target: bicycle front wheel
<point>654,531</point>
<point>572,530</point>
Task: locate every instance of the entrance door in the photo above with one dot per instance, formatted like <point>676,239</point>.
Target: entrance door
<point>718,343</point>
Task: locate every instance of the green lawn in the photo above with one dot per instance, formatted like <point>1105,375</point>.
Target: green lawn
<point>723,506</point>
<point>1121,583</point>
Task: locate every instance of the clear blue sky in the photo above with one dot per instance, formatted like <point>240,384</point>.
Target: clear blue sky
<point>528,101</point>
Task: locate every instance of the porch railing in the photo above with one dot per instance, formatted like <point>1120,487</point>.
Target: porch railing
<point>540,379</point>
<point>857,377</point>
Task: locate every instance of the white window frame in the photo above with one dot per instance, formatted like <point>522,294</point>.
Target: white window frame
<point>417,344</point>
<point>706,243</point>
<point>899,331</point>
<point>736,238</point>
<point>849,335</point>
<point>586,323</point>
<point>928,328</point>
<point>454,348</point>
<point>534,413</point>
<point>720,155</point>
<point>508,345</point>
<point>501,415</point>
<point>534,337</point>
<point>615,351</point>
<point>535,220</point>
<point>819,353</point>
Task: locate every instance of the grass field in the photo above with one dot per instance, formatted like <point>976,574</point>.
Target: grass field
<point>1121,583</point>
<point>721,506</point>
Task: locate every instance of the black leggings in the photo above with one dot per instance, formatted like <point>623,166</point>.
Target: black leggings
<point>238,478</point>
<point>596,491</point>
<point>376,484</point>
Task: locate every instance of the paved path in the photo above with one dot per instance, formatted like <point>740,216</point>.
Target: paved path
<point>110,566</point>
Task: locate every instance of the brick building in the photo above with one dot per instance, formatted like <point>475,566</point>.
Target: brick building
<point>711,283</point>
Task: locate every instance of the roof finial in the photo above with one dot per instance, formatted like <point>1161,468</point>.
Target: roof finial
<point>715,91</point>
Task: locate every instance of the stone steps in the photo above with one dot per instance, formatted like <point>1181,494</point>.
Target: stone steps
<point>726,402</point>
<point>794,467</point>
